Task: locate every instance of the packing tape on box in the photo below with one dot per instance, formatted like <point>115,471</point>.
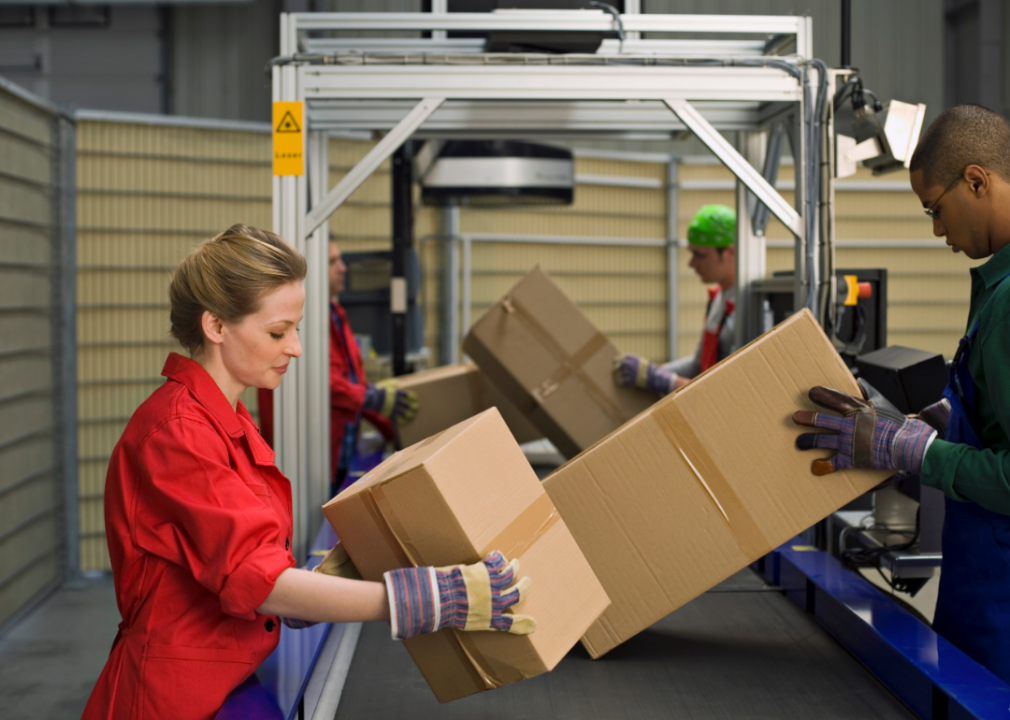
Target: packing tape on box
<point>745,530</point>
<point>569,364</point>
<point>517,537</point>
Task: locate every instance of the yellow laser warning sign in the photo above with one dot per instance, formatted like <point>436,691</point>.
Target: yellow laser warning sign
<point>289,139</point>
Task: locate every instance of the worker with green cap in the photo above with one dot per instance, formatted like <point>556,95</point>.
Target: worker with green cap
<point>711,238</point>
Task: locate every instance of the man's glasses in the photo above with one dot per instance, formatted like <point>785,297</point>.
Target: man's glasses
<point>931,211</point>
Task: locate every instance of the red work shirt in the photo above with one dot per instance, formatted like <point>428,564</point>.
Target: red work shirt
<point>346,397</point>
<point>198,523</point>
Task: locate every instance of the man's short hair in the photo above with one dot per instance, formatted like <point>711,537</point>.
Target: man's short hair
<point>961,136</point>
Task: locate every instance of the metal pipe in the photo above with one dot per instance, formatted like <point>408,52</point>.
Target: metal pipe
<point>403,240</point>
<point>846,33</point>
<point>450,285</point>
<point>672,258</point>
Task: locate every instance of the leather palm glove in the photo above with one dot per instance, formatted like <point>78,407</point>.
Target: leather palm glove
<point>937,416</point>
<point>337,563</point>
<point>465,597</point>
<point>636,371</point>
<point>386,398</point>
<point>865,436</point>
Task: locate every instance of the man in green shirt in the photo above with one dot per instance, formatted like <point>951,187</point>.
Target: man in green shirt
<point>961,173</point>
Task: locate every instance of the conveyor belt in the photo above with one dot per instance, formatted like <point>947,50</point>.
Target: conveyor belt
<point>742,650</point>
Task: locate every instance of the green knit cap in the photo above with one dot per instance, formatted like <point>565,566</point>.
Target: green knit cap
<point>713,226</point>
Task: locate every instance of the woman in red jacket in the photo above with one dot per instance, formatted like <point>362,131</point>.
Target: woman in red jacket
<point>198,517</point>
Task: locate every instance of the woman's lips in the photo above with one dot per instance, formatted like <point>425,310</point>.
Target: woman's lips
<point>281,370</point>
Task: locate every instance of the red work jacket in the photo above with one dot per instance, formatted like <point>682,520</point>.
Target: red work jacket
<point>198,523</point>
<point>346,397</point>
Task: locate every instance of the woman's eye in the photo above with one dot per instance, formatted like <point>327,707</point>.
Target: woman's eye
<point>277,336</point>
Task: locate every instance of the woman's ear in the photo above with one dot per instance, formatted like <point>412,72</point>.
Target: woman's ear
<point>213,328</point>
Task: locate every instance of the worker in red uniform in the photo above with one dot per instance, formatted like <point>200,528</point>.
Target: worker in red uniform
<point>352,397</point>
<point>198,517</point>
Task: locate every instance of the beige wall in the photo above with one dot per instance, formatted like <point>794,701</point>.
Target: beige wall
<point>147,194</point>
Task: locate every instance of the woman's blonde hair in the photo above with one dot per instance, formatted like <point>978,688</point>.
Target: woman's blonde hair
<point>228,276</point>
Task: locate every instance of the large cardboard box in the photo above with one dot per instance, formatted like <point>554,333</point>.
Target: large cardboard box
<point>705,482</point>
<point>452,499</point>
<point>552,362</point>
<point>453,393</point>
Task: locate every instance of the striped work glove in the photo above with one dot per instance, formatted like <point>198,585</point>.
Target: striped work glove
<point>466,597</point>
<point>865,436</point>
<point>386,398</point>
<point>636,371</point>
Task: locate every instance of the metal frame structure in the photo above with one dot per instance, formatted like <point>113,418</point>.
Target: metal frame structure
<point>440,87</point>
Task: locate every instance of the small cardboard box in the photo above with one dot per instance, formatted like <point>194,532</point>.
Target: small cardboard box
<point>453,393</point>
<point>452,499</point>
<point>705,482</point>
<point>552,362</point>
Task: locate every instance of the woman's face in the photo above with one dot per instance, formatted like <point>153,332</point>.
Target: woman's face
<point>257,350</point>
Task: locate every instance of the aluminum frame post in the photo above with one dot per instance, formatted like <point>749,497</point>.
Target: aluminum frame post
<point>672,257</point>
<point>736,164</point>
<point>291,397</point>
<point>467,282</point>
<point>316,338</point>
<point>65,138</point>
<point>371,162</point>
<point>750,247</point>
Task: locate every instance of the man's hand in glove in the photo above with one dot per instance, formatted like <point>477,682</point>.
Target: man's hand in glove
<point>387,399</point>
<point>466,597</point>
<point>864,436</point>
<point>937,416</point>
<point>636,371</point>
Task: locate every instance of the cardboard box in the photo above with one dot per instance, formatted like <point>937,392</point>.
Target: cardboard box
<point>453,393</point>
<point>552,362</point>
<point>452,499</point>
<point>705,482</point>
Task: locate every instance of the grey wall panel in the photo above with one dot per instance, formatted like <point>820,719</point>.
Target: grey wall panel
<point>897,44</point>
<point>218,55</point>
<point>118,67</point>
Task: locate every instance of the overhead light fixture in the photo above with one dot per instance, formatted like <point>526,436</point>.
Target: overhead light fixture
<point>495,172</point>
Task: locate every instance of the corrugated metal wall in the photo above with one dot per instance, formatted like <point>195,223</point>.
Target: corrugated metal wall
<point>32,428</point>
<point>147,194</point>
<point>218,56</point>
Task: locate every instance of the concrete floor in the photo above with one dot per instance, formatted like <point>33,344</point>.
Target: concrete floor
<point>50,660</point>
